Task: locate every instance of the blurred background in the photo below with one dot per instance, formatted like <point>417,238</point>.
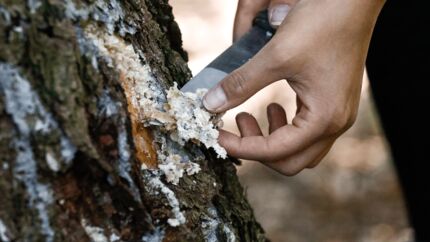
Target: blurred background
<point>353,195</point>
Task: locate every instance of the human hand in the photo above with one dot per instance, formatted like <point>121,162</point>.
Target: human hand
<point>320,49</point>
<point>247,10</point>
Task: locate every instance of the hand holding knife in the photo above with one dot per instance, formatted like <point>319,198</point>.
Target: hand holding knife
<point>235,56</point>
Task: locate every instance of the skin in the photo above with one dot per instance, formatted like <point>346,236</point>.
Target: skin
<point>320,48</point>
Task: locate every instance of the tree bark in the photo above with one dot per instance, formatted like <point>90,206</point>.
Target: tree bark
<point>78,157</point>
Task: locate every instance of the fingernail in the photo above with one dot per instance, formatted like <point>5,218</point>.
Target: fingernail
<point>278,13</point>
<point>214,99</point>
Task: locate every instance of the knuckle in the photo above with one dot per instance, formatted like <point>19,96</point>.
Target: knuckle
<point>285,58</point>
<point>270,160</point>
<point>350,121</point>
<point>278,54</point>
<point>314,163</point>
<point>290,170</point>
<point>337,122</point>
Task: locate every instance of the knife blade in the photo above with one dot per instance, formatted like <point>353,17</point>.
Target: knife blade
<point>234,56</point>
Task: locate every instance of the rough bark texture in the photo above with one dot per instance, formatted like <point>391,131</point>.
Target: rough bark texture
<point>72,142</point>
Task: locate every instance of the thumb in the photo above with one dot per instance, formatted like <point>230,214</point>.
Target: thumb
<point>241,84</point>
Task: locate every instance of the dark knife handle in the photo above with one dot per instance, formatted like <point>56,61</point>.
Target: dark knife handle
<point>262,21</point>
<point>247,46</point>
<point>235,56</point>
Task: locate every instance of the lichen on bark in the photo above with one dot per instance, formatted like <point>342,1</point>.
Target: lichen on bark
<point>72,140</point>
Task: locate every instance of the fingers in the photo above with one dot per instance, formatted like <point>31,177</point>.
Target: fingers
<point>248,125</point>
<point>299,104</point>
<point>288,149</point>
<point>278,10</point>
<point>264,68</point>
<point>276,116</point>
<point>298,160</point>
<point>307,158</point>
<point>245,14</point>
<point>320,157</point>
<point>283,142</point>
<point>248,9</point>
<point>244,82</point>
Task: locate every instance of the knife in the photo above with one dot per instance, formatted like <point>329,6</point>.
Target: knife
<point>235,56</point>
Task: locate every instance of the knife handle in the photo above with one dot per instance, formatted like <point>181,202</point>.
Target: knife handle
<point>262,21</point>
<point>235,56</point>
<point>246,47</point>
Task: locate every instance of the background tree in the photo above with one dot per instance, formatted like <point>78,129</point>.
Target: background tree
<point>83,130</point>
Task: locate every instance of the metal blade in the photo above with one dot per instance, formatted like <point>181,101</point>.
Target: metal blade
<point>207,78</point>
<point>234,57</point>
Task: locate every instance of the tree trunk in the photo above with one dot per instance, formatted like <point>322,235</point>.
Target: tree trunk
<point>83,88</point>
